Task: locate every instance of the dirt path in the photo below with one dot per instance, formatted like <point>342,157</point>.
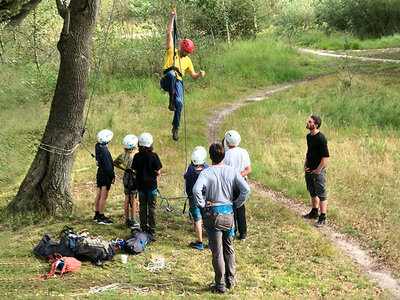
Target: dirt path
<point>363,58</point>
<point>378,272</point>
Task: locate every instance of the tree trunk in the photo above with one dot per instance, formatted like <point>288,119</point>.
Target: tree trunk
<point>46,186</point>
<point>228,35</point>
<point>254,5</point>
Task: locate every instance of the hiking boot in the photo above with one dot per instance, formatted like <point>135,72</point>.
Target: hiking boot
<point>175,133</point>
<point>103,220</point>
<point>171,105</point>
<point>320,223</point>
<point>197,245</point>
<point>311,215</point>
<point>214,289</point>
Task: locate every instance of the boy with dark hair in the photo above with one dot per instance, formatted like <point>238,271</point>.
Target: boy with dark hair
<point>219,181</point>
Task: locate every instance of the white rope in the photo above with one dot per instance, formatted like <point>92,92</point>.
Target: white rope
<point>55,150</point>
<point>156,264</point>
<point>111,287</point>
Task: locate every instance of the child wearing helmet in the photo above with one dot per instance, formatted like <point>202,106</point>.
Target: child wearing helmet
<point>105,176</point>
<point>124,162</point>
<point>174,69</point>
<point>239,159</point>
<point>193,171</point>
<point>147,165</point>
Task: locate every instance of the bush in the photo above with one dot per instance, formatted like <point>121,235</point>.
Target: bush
<point>365,18</point>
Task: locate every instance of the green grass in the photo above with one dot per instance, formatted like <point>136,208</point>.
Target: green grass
<point>343,41</point>
<point>284,258</point>
<point>361,124</point>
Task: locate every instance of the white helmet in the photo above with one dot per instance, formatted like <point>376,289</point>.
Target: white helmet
<point>130,141</point>
<point>104,136</point>
<point>233,138</point>
<point>145,139</point>
<point>202,149</point>
<point>198,158</point>
<point>225,145</point>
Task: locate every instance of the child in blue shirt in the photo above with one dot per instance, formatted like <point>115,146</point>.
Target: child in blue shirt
<point>192,173</point>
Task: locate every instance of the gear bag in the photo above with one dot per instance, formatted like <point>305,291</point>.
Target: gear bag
<point>46,246</point>
<point>136,244</point>
<point>129,180</point>
<point>95,249</point>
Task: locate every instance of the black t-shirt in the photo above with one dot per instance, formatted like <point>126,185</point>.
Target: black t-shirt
<point>146,165</point>
<point>317,149</point>
<point>104,162</point>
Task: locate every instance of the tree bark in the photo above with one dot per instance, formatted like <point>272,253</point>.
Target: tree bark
<point>46,185</point>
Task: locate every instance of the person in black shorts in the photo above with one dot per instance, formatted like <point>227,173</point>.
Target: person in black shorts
<point>314,166</point>
<point>105,176</point>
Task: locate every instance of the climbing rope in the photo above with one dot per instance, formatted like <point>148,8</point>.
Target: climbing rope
<point>165,201</point>
<point>98,69</point>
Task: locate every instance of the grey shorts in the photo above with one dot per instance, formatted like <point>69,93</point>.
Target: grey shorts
<point>316,185</point>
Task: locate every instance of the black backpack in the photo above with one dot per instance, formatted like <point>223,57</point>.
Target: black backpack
<point>136,244</point>
<point>46,246</point>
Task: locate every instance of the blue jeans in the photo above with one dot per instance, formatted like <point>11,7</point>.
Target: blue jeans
<point>174,87</point>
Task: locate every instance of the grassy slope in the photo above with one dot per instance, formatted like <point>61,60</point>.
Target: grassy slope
<point>283,258</point>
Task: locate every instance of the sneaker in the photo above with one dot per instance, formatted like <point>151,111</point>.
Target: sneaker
<point>320,223</point>
<point>134,223</point>
<point>214,289</point>
<point>171,105</point>
<point>311,215</point>
<point>95,218</point>
<point>197,245</point>
<point>103,220</point>
<point>175,133</point>
<point>242,237</point>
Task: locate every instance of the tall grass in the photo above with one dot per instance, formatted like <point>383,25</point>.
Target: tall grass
<point>344,41</point>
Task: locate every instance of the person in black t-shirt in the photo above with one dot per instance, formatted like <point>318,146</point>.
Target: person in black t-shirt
<point>314,166</point>
<point>147,165</point>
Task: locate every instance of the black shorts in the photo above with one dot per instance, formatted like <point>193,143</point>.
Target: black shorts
<point>103,182</point>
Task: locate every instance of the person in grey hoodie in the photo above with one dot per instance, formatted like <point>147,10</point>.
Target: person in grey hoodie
<point>217,208</point>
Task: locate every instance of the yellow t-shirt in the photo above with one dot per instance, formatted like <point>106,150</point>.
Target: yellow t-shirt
<point>181,63</point>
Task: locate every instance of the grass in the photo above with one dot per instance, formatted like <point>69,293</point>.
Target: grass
<point>284,258</point>
<point>342,41</point>
<point>361,125</point>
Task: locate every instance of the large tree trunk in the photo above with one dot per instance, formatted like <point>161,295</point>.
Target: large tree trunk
<point>46,186</point>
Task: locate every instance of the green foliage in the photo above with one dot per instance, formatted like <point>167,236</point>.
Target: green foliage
<point>365,18</point>
<point>295,17</point>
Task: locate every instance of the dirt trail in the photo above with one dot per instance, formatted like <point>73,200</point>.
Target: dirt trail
<point>378,272</point>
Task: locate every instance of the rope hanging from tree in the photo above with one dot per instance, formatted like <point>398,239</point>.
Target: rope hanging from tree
<point>165,201</point>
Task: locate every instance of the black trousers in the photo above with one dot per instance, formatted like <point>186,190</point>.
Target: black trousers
<point>239,215</point>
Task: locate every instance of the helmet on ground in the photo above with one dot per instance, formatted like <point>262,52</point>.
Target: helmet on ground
<point>233,138</point>
<point>187,45</point>
<point>198,158</point>
<point>145,139</point>
<point>202,149</point>
<point>130,141</point>
<point>225,145</point>
<point>104,136</point>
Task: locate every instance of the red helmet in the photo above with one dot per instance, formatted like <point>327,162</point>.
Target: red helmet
<point>187,45</point>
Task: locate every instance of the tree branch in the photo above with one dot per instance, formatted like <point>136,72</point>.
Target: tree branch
<point>62,8</point>
<point>24,11</point>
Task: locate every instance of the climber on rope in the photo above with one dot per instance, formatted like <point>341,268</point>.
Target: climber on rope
<point>174,69</point>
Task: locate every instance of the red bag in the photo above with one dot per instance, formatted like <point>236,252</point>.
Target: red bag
<point>62,265</point>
